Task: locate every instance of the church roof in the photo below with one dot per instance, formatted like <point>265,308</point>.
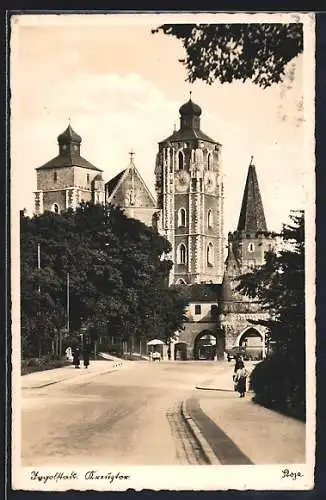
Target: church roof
<point>69,135</point>
<point>190,108</point>
<point>68,157</point>
<point>112,185</point>
<point>252,217</point>
<point>68,160</point>
<point>188,135</point>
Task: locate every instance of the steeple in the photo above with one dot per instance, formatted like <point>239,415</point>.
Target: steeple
<point>190,115</point>
<point>69,142</point>
<point>252,217</point>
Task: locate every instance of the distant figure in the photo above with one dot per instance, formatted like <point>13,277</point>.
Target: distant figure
<point>238,361</point>
<point>86,356</point>
<point>156,356</point>
<point>241,379</point>
<point>68,352</point>
<point>76,357</point>
<point>169,354</point>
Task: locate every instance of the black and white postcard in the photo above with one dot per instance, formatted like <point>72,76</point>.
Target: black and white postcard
<point>163,251</point>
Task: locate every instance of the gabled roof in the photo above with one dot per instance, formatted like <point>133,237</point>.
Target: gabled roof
<point>68,160</point>
<point>252,217</point>
<point>113,185</point>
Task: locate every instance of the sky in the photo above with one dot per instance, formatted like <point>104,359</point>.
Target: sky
<point>121,87</point>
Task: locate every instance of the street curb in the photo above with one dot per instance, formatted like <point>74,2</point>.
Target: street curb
<point>205,447</point>
<point>113,369</point>
<point>204,388</point>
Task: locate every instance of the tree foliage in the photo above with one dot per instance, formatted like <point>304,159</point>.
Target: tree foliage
<point>117,277</point>
<point>279,285</point>
<point>258,52</point>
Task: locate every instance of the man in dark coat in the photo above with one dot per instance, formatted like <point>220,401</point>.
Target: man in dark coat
<point>76,357</point>
<point>86,356</point>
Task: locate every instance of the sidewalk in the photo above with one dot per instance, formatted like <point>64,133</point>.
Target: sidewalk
<point>257,434</point>
<point>37,380</point>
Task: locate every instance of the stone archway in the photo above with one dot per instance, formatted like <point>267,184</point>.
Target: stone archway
<point>254,342</point>
<point>205,346</point>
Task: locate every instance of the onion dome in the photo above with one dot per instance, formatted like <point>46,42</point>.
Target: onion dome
<point>190,109</point>
<point>69,136</point>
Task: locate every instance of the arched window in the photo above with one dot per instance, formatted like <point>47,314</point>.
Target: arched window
<point>181,217</point>
<point>181,160</point>
<point>55,208</point>
<point>210,254</point>
<point>182,254</point>
<point>209,162</point>
<point>251,247</point>
<point>209,218</point>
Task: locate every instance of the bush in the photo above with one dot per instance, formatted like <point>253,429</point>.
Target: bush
<point>40,364</point>
<point>279,383</point>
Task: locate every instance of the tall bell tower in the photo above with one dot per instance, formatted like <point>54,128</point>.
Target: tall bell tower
<point>189,188</point>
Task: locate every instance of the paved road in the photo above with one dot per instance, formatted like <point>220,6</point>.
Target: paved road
<point>130,416</point>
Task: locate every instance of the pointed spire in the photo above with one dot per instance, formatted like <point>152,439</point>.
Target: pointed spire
<point>252,217</point>
<point>226,291</point>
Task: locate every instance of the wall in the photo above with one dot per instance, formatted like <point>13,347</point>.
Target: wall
<point>45,178</point>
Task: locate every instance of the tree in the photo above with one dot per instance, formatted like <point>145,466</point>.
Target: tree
<point>117,277</point>
<point>279,380</point>
<point>279,285</point>
<point>258,52</point>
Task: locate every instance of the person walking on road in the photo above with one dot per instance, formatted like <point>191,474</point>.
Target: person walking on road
<point>241,379</point>
<point>86,356</point>
<point>76,357</point>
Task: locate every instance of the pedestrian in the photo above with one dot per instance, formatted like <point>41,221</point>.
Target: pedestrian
<point>241,379</point>
<point>86,356</point>
<point>76,357</point>
<point>169,353</point>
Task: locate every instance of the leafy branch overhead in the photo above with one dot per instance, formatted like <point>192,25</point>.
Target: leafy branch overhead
<point>258,52</point>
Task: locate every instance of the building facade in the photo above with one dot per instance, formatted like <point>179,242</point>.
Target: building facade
<point>68,179</point>
<point>128,191</point>
<point>189,189</point>
<point>189,212</point>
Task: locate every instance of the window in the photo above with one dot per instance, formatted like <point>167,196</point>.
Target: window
<point>209,162</point>
<point>210,254</point>
<point>182,254</point>
<point>181,161</point>
<point>87,178</point>
<point>181,217</point>
<point>55,176</point>
<point>55,208</point>
<point>251,247</point>
<point>209,218</point>
<point>214,311</point>
<point>197,309</point>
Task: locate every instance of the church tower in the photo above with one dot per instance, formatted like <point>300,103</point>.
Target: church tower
<point>68,179</point>
<point>248,244</point>
<point>189,189</point>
